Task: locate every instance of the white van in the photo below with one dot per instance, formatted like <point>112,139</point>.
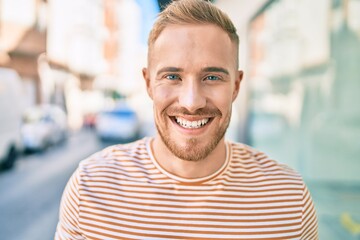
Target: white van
<point>11,107</point>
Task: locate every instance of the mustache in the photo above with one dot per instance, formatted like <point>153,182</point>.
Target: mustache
<point>207,112</point>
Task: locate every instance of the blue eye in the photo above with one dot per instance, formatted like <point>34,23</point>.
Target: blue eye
<point>212,78</point>
<point>172,77</point>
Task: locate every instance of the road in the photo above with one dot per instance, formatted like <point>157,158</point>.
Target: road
<point>30,193</point>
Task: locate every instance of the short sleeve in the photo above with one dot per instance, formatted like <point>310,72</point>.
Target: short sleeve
<point>309,223</point>
<point>68,225</point>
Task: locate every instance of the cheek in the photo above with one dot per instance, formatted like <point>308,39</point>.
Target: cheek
<point>163,97</point>
<point>221,98</point>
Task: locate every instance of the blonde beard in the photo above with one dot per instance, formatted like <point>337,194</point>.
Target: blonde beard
<point>193,151</point>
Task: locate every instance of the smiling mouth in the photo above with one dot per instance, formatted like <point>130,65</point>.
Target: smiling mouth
<point>191,124</point>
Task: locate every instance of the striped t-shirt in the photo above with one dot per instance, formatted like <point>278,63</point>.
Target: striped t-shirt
<point>123,193</point>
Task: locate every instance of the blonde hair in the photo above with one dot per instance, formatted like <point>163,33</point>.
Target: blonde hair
<point>193,12</point>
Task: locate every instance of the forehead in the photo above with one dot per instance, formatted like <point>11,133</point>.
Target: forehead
<point>193,43</point>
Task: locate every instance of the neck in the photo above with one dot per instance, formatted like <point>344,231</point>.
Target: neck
<point>189,169</point>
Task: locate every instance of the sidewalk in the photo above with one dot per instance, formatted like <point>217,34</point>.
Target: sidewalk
<point>338,209</point>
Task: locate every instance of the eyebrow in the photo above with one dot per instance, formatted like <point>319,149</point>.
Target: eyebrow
<point>169,69</point>
<point>215,69</point>
<point>206,69</point>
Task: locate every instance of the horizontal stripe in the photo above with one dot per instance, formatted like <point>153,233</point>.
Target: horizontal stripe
<point>88,205</point>
<point>223,191</point>
<point>105,222</point>
<point>181,221</point>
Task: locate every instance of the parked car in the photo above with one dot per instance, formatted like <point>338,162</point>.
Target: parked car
<point>11,107</point>
<point>119,124</point>
<point>43,126</point>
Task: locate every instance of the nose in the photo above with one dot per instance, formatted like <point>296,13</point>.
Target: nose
<point>191,96</point>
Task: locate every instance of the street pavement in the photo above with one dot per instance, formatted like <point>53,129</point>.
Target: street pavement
<point>30,193</point>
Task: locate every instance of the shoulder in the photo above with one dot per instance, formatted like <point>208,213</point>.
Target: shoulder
<point>114,155</point>
<point>259,162</point>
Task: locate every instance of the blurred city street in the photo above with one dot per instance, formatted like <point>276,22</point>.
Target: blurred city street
<point>71,74</point>
<point>31,191</point>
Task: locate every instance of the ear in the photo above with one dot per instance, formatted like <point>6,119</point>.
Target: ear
<point>239,77</point>
<point>146,77</point>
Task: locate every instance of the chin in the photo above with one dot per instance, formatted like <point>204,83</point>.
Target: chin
<point>191,148</point>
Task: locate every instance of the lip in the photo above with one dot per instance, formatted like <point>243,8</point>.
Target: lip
<point>191,118</point>
<point>191,131</point>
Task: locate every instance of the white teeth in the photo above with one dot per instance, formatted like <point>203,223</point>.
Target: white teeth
<point>191,124</point>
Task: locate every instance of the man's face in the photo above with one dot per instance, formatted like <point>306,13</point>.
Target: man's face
<point>192,79</point>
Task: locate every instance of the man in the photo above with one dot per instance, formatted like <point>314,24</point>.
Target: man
<point>187,182</point>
